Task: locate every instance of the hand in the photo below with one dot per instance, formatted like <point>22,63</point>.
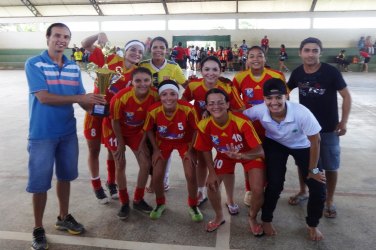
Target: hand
<point>157,155</point>
<point>341,128</point>
<point>102,39</point>
<point>119,154</point>
<point>320,177</point>
<point>191,157</point>
<point>93,99</point>
<point>213,182</point>
<point>233,152</point>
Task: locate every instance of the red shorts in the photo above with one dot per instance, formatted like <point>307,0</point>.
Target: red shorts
<point>224,165</point>
<point>131,141</point>
<point>92,127</point>
<point>166,149</point>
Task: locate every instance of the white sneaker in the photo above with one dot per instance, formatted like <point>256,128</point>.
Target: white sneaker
<point>247,198</point>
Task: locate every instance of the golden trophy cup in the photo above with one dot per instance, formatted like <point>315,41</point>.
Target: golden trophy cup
<point>103,82</point>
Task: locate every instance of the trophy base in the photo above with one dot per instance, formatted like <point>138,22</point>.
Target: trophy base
<point>100,110</point>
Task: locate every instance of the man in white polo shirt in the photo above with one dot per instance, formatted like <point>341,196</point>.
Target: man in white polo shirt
<point>291,129</point>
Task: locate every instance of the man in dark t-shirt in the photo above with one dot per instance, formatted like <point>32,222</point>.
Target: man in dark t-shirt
<point>318,85</point>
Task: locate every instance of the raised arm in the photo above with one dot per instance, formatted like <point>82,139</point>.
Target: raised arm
<point>88,43</point>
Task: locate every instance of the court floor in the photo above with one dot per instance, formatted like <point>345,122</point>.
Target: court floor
<point>354,228</point>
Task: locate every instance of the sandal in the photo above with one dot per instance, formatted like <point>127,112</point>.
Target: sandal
<point>257,230</point>
<point>201,198</point>
<point>330,212</point>
<point>212,226</point>
<point>232,209</point>
<point>297,199</point>
<point>149,190</point>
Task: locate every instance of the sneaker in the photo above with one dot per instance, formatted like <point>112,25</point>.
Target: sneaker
<point>157,212</point>
<point>101,196</point>
<point>142,206</point>
<point>196,214</point>
<point>166,187</point>
<point>69,224</point>
<point>247,198</point>
<point>124,212</point>
<point>112,188</point>
<point>39,239</point>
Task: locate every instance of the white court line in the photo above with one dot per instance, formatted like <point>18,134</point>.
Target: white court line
<point>99,242</point>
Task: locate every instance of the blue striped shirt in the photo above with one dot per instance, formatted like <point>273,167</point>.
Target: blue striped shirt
<point>52,121</point>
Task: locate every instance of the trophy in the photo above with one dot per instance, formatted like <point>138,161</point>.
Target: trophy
<point>104,79</point>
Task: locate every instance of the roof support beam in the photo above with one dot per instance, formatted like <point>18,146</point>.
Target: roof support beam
<point>96,7</point>
<point>31,7</point>
<point>313,6</point>
<point>237,6</point>
<point>165,7</point>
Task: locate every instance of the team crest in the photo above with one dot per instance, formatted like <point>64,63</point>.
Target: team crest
<point>201,104</point>
<point>249,92</point>
<point>129,116</point>
<point>162,130</point>
<point>215,139</point>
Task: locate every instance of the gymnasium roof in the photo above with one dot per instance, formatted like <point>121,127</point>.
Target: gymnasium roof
<point>55,8</point>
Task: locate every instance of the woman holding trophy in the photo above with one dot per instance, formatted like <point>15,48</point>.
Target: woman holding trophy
<point>123,68</point>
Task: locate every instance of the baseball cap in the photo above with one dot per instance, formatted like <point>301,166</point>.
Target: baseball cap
<point>274,86</point>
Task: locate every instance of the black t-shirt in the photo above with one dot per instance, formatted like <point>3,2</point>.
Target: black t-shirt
<point>318,92</point>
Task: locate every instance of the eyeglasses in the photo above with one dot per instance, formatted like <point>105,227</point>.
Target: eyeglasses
<point>219,104</point>
<point>155,79</point>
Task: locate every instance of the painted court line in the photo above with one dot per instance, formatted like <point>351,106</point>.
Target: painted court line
<point>99,242</point>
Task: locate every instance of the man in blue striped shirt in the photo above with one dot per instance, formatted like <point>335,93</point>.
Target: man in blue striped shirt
<point>54,86</point>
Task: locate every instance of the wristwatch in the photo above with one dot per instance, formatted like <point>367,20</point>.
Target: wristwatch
<point>315,170</point>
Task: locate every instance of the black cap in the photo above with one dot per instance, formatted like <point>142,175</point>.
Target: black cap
<point>274,86</point>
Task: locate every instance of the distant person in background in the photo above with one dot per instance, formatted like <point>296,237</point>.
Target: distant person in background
<point>119,52</point>
<point>369,45</point>
<point>361,43</point>
<point>265,44</point>
<point>341,60</point>
<point>282,58</point>
<point>78,55</point>
<point>52,137</point>
<point>244,51</point>
<point>367,57</point>
<point>180,55</point>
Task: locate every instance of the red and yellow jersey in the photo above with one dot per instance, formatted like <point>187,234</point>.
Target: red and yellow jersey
<point>131,111</point>
<point>179,128</point>
<point>196,90</point>
<point>169,70</point>
<point>114,63</point>
<point>237,131</point>
<point>251,88</point>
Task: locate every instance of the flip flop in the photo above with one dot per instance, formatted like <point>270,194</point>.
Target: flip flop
<point>232,209</point>
<point>297,199</point>
<point>330,212</point>
<point>212,226</point>
<point>149,190</point>
<point>257,231</point>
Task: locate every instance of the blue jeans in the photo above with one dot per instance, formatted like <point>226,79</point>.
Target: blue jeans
<point>44,154</point>
<point>330,151</point>
<point>276,156</point>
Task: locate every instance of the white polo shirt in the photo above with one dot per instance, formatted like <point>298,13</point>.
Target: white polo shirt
<point>292,132</point>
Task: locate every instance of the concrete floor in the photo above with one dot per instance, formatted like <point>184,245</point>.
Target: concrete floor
<point>354,228</point>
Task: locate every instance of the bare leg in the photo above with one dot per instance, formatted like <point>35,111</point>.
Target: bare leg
<point>229,182</point>
<point>93,156</point>
<point>158,174</point>
<point>121,178</point>
<point>215,201</point>
<point>269,229</point>
<point>39,205</point>
<point>256,177</point>
<point>143,158</point>
<point>331,183</point>
<point>190,176</point>
<point>63,193</point>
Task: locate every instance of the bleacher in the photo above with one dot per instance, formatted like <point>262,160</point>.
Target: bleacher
<point>15,58</point>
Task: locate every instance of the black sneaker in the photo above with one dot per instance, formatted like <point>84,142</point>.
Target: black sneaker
<point>142,206</point>
<point>39,239</point>
<point>101,196</point>
<point>69,224</point>
<point>112,188</point>
<point>124,212</point>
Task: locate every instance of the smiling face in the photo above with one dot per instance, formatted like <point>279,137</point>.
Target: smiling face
<point>169,99</point>
<point>310,54</point>
<point>141,83</point>
<point>158,50</point>
<point>217,106</point>
<point>59,39</point>
<point>276,104</point>
<point>256,59</point>
<point>134,54</point>
<point>210,71</point>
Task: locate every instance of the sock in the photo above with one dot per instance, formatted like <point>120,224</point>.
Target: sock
<point>138,194</point>
<point>160,201</point>
<point>123,196</point>
<point>110,171</point>
<point>96,183</point>
<point>192,201</point>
